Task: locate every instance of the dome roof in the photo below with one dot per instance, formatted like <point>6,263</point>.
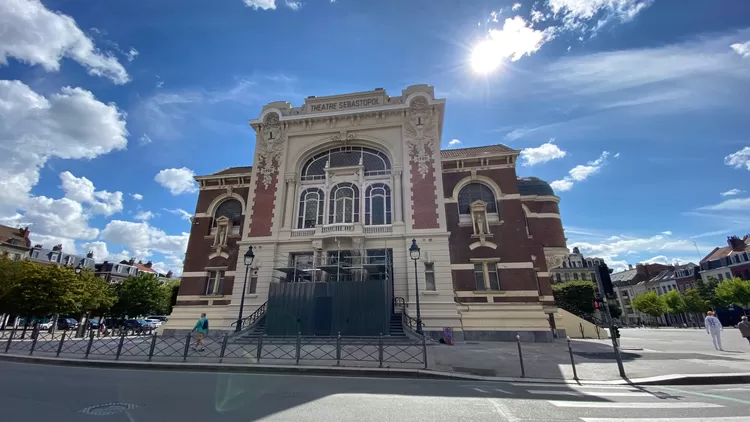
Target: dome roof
<point>534,186</point>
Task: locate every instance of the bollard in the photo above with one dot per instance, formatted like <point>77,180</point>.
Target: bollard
<point>88,347</point>
<point>151,349</point>
<point>580,327</point>
<point>34,335</point>
<point>12,333</point>
<point>380,351</point>
<point>119,346</point>
<point>597,332</point>
<point>572,361</point>
<point>424,350</point>
<point>299,346</point>
<point>259,351</point>
<point>187,348</point>
<point>223,348</point>
<point>338,349</point>
<point>520,356</point>
<point>62,340</point>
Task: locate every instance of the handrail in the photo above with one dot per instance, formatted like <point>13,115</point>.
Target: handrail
<point>399,304</point>
<point>249,320</point>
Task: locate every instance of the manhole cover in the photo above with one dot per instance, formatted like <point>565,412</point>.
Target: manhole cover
<point>107,409</point>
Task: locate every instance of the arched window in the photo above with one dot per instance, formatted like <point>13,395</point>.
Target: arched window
<point>476,192</point>
<point>378,204</point>
<point>373,161</point>
<point>310,208</point>
<point>231,209</point>
<point>344,204</point>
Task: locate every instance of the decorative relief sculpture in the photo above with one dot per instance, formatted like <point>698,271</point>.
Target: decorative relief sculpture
<point>272,145</point>
<point>420,131</point>
<point>554,261</point>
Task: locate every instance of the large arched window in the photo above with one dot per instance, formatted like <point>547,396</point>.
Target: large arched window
<point>310,208</point>
<point>378,204</point>
<point>476,192</point>
<point>231,209</point>
<point>374,161</point>
<point>344,204</point>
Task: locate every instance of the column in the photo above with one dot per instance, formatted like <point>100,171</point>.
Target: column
<point>289,208</point>
<point>397,194</point>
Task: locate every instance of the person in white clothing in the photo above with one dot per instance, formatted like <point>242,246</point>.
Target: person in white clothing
<point>713,327</point>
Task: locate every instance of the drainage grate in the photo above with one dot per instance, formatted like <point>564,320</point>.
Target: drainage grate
<point>107,409</point>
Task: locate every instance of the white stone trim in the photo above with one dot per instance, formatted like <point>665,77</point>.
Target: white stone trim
<point>543,274</point>
<point>476,178</point>
<point>499,293</point>
<point>514,265</point>
<point>542,198</point>
<point>478,244</point>
<point>546,298</point>
<point>221,198</point>
<point>205,273</point>
<point>543,215</point>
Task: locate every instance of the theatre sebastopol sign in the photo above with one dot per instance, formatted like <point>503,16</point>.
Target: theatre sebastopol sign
<point>346,104</point>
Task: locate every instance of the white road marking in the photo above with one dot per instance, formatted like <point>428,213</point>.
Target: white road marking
<point>721,418</point>
<point>630,405</point>
<point>573,386</point>
<point>480,390</point>
<point>598,393</point>
<point>503,391</point>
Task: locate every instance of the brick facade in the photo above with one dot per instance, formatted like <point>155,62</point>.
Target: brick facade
<point>263,207</point>
<point>423,198</point>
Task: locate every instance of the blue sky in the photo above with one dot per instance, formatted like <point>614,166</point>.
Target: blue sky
<point>635,110</point>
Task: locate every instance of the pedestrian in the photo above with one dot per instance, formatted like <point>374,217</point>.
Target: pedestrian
<point>744,327</point>
<point>713,327</point>
<point>200,330</point>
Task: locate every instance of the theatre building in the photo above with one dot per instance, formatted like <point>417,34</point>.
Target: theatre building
<point>340,189</point>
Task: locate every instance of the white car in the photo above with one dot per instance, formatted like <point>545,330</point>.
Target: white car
<point>45,325</point>
<point>157,323</point>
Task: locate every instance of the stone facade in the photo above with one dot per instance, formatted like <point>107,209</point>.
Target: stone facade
<point>363,173</point>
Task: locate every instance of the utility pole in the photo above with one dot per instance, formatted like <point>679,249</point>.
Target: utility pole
<point>613,333</point>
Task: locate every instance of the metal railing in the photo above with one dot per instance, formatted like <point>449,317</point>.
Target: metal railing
<point>378,229</point>
<point>380,350</point>
<point>399,305</point>
<point>251,319</point>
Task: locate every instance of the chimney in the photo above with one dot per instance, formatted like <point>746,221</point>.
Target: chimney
<point>24,232</point>
<point>169,274</point>
<point>132,261</point>
<point>149,264</point>
<point>57,248</point>
<point>104,265</point>
<point>737,244</point>
<point>38,246</point>
<point>90,254</point>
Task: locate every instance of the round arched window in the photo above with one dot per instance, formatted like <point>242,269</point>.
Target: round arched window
<point>476,192</point>
<point>231,209</point>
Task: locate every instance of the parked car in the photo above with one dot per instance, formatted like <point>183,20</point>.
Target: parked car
<point>94,324</point>
<point>66,324</point>
<point>138,326</point>
<point>157,323</point>
<point>148,325</point>
<point>161,318</point>
<point>45,325</point>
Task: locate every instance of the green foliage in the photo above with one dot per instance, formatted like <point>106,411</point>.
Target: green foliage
<point>694,302</point>
<point>96,295</point>
<point>674,302</point>
<point>140,296</point>
<point>650,304</point>
<point>575,296</point>
<point>707,292</point>
<point>733,291</point>
<point>31,289</point>
<point>174,289</point>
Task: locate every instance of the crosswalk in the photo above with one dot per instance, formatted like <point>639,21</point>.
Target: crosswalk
<point>631,402</point>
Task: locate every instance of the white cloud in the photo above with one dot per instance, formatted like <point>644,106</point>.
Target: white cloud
<point>137,196</point>
<point>33,129</point>
<point>516,6</point>
<point>144,140</point>
<point>576,14</point>
<point>143,239</point>
<point>178,181</point>
<point>182,213</point>
<point>739,159</point>
<point>132,54</point>
<point>541,154</point>
<point>580,173</point>
<point>62,217</point>
<point>144,215</point>
<point>736,204</point>
<point>743,49</point>
<point>516,39</point>
<point>667,233</point>
<point>731,192</point>
<point>261,4</point>
<point>81,189</point>
<point>454,142</point>
<point>294,5</point>
<point>35,35</point>
<point>661,259</point>
<point>101,252</point>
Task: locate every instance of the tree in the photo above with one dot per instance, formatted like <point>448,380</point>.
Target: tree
<point>734,291</point>
<point>694,303</point>
<point>140,296</point>
<point>575,296</point>
<point>174,289</point>
<point>650,304</point>
<point>707,291</point>
<point>41,290</point>
<point>674,303</point>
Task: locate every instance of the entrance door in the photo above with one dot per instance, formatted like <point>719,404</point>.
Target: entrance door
<point>323,315</point>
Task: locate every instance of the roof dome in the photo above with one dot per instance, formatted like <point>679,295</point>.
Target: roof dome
<point>533,186</point>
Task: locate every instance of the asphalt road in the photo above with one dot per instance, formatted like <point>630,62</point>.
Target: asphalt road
<point>57,393</point>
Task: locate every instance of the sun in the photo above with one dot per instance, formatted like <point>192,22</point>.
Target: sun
<point>484,57</point>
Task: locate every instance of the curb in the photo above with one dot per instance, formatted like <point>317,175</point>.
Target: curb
<point>254,368</point>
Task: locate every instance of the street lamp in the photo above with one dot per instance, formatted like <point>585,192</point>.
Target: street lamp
<point>414,253</point>
<point>249,257</point>
<point>78,268</point>
<point>81,331</point>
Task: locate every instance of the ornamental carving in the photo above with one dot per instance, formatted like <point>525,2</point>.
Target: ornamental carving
<point>421,132</point>
<point>270,148</point>
<point>343,137</point>
<point>554,261</point>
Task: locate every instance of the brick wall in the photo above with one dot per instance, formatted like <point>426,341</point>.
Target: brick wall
<point>423,198</point>
<point>742,271</point>
<point>542,207</point>
<point>547,231</point>
<point>261,223</point>
<point>191,286</point>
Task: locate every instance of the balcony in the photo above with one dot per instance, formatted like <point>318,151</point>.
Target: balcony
<point>343,229</point>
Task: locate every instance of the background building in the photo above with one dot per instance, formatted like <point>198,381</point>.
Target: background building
<point>56,256</point>
<point>14,242</point>
<point>577,267</point>
<point>729,261</point>
<point>340,187</point>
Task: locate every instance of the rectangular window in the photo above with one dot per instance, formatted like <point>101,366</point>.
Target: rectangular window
<point>721,277</point>
<point>729,276</point>
<point>479,276</point>
<point>485,275</point>
<point>429,276</point>
<point>215,280</point>
<point>492,276</point>
<point>253,281</point>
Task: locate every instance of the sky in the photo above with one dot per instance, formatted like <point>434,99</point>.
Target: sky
<point>634,110</point>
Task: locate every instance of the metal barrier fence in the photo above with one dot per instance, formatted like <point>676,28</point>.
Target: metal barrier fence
<point>380,351</point>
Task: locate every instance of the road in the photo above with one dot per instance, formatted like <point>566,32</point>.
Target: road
<point>683,340</point>
<point>57,393</point>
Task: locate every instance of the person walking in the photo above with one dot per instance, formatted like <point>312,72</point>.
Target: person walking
<point>200,330</point>
<point>713,327</point>
<point>744,327</point>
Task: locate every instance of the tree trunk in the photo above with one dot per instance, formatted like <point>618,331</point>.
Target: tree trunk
<point>25,327</point>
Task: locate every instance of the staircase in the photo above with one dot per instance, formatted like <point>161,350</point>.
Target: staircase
<point>395,328</point>
<point>251,336</point>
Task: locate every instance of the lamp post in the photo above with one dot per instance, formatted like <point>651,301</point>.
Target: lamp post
<point>84,319</point>
<point>414,253</point>
<point>249,257</point>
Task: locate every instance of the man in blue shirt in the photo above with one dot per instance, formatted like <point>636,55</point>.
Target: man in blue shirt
<point>200,330</point>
